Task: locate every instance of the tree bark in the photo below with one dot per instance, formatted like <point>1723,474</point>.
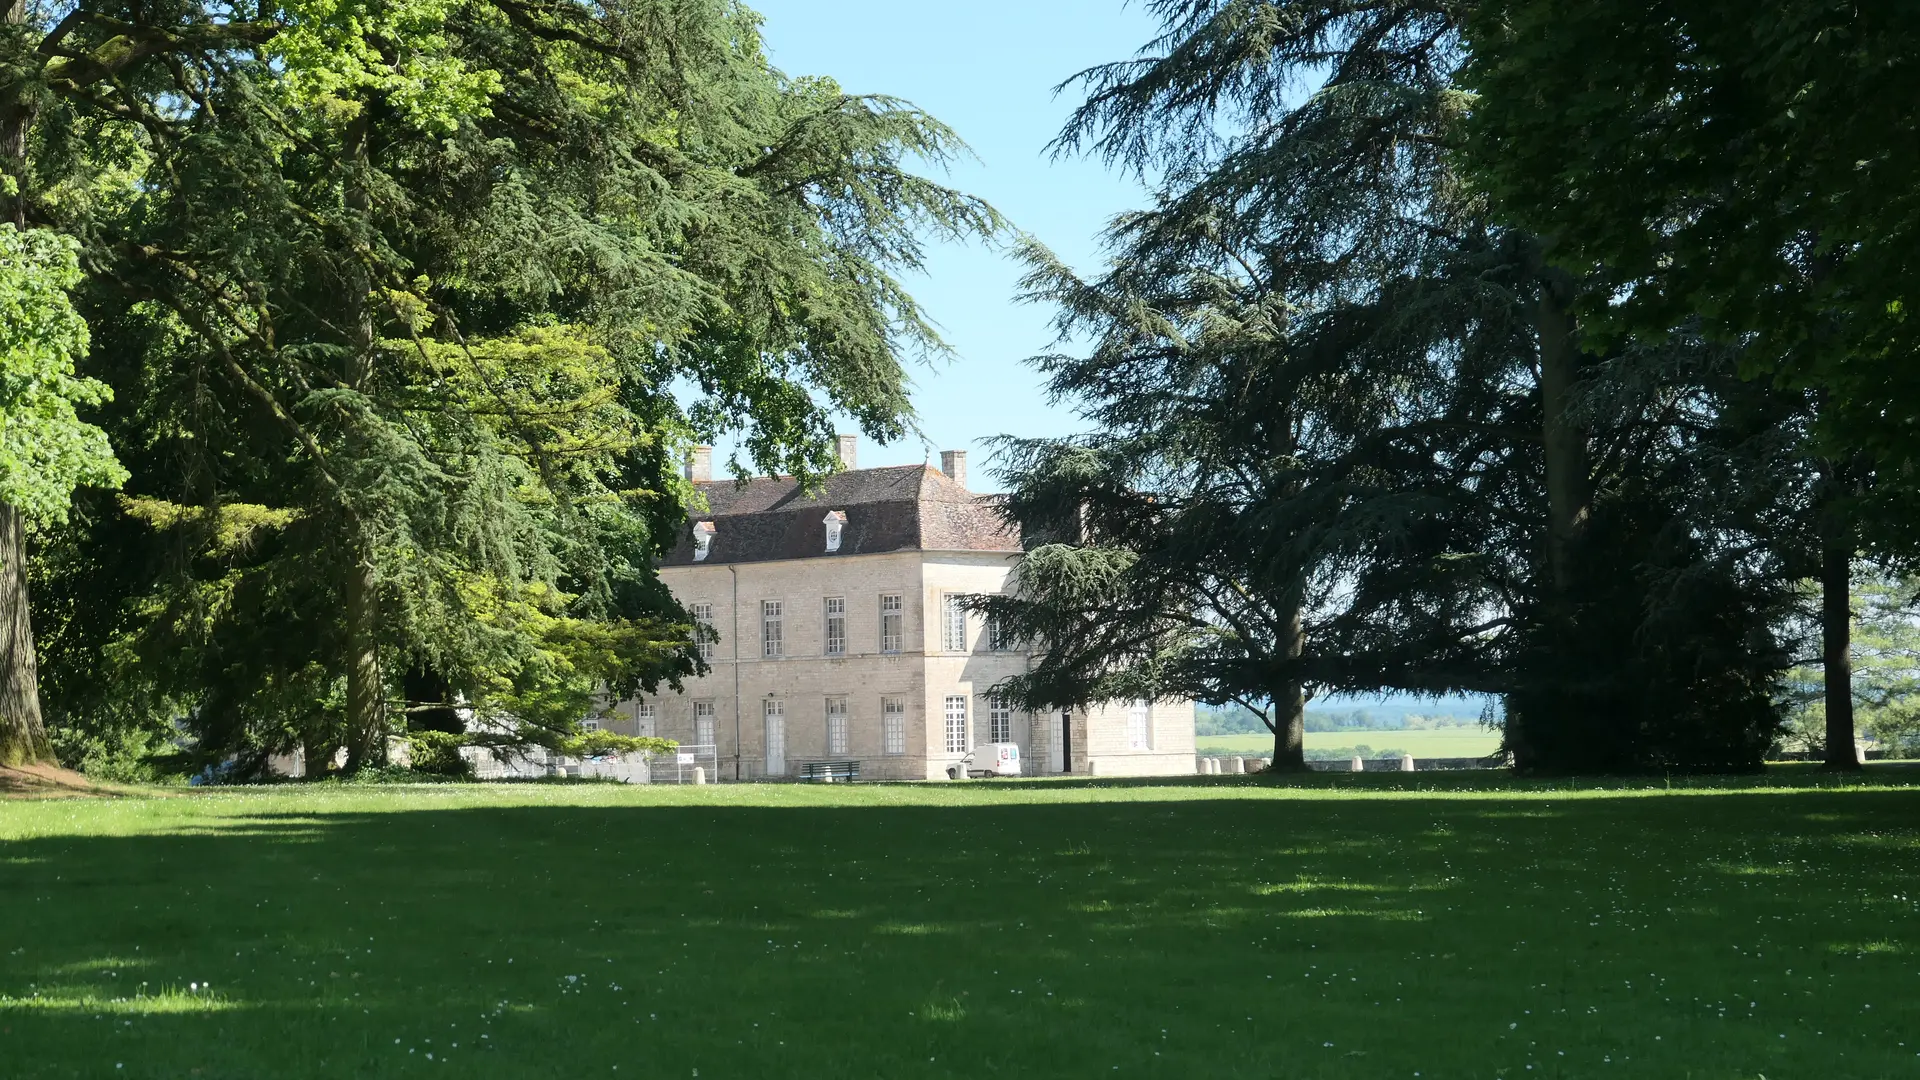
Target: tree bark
<point>1290,706</point>
<point>1836,627</point>
<point>1569,481</point>
<point>23,734</point>
<point>366,691</point>
<point>366,694</point>
<point>23,737</point>
<point>16,120</point>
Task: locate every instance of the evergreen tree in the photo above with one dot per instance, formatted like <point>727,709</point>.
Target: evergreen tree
<point>1346,437</point>
<point>1751,173</point>
<point>394,304</point>
<point>46,451</point>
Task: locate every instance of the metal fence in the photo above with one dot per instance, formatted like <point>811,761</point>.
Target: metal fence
<point>686,764</point>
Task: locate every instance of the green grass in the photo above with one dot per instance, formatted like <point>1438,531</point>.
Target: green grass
<point>1331,926</point>
<point>1434,743</point>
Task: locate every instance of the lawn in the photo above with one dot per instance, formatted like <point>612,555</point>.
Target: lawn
<point>1332,926</point>
<point>1455,742</point>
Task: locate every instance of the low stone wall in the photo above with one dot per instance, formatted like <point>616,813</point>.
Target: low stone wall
<point>1222,765</point>
<point>1394,764</point>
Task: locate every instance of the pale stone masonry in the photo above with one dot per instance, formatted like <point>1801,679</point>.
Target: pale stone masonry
<point>839,637</point>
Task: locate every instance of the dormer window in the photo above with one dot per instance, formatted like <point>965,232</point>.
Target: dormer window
<point>834,521</point>
<point>702,540</point>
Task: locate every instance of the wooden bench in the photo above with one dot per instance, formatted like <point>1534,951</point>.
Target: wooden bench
<point>830,771</point>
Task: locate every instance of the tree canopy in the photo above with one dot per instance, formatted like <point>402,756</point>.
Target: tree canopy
<point>1751,172</point>
<point>400,304</point>
<point>1347,434</point>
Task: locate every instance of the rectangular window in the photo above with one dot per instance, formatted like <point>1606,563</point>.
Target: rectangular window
<point>892,623</point>
<point>836,626</point>
<point>590,724</point>
<point>643,718</point>
<point>770,637</point>
<point>1139,727</point>
<point>703,628</point>
<point>893,724</point>
<point>953,624</point>
<point>999,719</point>
<point>703,723</point>
<point>956,724</point>
<point>836,725</point>
<point>998,640</point>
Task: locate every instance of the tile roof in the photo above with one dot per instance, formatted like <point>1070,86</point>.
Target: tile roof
<point>899,508</point>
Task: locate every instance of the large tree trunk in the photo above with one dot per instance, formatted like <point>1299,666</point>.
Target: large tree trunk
<point>1290,706</point>
<point>366,694</point>
<point>16,120</point>
<point>1569,481</point>
<point>1836,626</point>
<point>1530,735</point>
<point>366,690</point>
<point>23,738</point>
<point>1289,728</point>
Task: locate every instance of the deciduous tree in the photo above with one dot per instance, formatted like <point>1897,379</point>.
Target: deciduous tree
<point>46,451</point>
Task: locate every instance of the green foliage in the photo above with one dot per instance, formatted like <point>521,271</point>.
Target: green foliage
<point>437,752</point>
<point>1750,170</point>
<point>121,756</point>
<point>1886,672</point>
<point>395,299</point>
<point>595,743</point>
<point>1317,418</point>
<point>1226,720</point>
<point>46,450</point>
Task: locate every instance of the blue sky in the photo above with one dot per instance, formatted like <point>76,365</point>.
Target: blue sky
<point>987,69</point>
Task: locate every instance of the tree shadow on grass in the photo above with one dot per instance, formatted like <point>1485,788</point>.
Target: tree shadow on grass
<point>1224,937</point>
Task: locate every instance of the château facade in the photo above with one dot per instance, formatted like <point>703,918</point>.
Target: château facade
<point>841,636</point>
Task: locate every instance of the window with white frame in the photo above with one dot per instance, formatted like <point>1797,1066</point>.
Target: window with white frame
<point>892,622</point>
<point>590,724</point>
<point>836,725</point>
<point>893,724</point>
<point>770,628</point>
<point>956,723</point>
<point>703,627</point>
<point>643,719</point>
<point>703,723</point>
<point>998,640</point>
<point>836,625</point>
<point>1139,725</point>
<point>953,623</point>
<point>999,718</point>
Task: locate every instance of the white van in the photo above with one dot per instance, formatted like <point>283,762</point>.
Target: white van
<point>987,760</point>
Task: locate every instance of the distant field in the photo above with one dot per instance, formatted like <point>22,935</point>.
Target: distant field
<point>1436,743</point>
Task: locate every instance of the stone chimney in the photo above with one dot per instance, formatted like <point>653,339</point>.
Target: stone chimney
<point>700,464</point>
<point>849,449</point>
<point>954,464</point>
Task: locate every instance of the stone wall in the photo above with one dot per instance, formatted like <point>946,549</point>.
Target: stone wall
<point>924,674</point>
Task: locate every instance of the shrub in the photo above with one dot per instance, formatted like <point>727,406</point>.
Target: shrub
<point>438,753</point>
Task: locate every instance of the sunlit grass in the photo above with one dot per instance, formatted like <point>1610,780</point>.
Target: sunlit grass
<point>1335,926</point>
